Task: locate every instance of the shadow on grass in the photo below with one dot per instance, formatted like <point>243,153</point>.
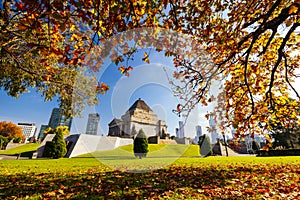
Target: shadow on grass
<point>26,154</point>
<point>108,185</point>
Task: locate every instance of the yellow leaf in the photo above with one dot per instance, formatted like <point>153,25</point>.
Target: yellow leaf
<point>72,28</point>
<point>60,191</point>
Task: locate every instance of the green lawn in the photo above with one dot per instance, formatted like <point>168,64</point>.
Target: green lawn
<point>24,150</point>
<point>181,177</point>
<point>159,156</point>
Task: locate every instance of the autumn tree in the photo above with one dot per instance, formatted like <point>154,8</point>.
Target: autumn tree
<point>250,47</point>
<point>285,133</point>
<point>11,131</point>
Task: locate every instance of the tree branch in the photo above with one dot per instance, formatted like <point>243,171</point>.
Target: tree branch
<point>287,78</point>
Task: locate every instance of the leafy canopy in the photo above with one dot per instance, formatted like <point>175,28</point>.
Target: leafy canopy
<point>251,45</point>
<point>11,131</point>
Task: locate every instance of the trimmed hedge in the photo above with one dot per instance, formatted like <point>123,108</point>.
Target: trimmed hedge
<point>140,144</point>
<point>284,152</point>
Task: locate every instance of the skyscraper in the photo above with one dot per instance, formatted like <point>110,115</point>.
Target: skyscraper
<point>213,129</point>
<point>92,124</point>
<point>41,133</point>
<point>63,121</point>
<point>58,119</point>
<point>54,118</point>
<point>181,129</point>
<point>198,131</point>
<point>28,130</point>
<point>177,132</point>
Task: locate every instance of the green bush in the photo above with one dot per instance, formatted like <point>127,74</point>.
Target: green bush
<point>57,148</point>
<point>48,149</point>
<point>205,146</point>
<point>3,142</point>
<point>140,144</point>
<point>17,140</point>
<point>255,146</point>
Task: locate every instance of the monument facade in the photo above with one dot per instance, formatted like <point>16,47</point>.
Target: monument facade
<point>138,116</point>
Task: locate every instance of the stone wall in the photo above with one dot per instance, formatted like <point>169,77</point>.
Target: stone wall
<point>12,145</point>
<point>40,150</point>
<point>182,140</point>
<point>91,143</point>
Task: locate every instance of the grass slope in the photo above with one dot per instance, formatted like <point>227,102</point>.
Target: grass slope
<point>159,156</point>
<point>24,150</point>
<point>155,150</point>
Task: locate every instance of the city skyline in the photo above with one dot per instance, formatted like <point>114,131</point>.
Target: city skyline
<point>146,81</point>
<point>36,116</point>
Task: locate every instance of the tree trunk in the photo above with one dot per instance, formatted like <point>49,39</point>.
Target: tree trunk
<point>225,144</point>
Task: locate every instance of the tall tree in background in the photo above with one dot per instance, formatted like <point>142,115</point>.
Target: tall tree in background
<point>11,130</point>
<point>249,46</point>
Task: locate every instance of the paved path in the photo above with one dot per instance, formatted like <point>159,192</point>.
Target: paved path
<point>6,157</point>
<point>231,152</point>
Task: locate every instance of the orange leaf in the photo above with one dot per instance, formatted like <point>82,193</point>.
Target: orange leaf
<point>122,69</point>
<point>47,77</point>
<point>293,9</point>
<point>178,108</point>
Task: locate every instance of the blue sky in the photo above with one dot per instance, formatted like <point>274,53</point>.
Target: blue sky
<point>146,81</point>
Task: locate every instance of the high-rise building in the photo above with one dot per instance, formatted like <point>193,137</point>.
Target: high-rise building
<point>28,130</point>
<point>54,118</point>
<point>92,124</point>
<point>63,121</point>
<point>177,132</point>
<point>41,133</point>
<point>213,129</point>
<point>58,119</point>
<point>181,129</point>
<point>198,133</point>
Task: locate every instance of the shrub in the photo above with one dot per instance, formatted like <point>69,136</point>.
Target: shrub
<point>140,144</point>
<point>17,140</point>
<point>3,142</point>
<point>205,146</point>
<point>57,148</point>
<point>48,149</point>
<point>255,146</point>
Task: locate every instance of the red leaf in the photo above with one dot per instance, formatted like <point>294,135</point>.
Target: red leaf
<point>178,107</point>
<point>67,48</point>
<point>20,6</point>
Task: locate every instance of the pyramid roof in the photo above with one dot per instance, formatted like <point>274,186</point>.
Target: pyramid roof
<point>139,104</point>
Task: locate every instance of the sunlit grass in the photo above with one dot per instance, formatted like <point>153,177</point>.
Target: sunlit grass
<point>163,177</point>
<point>21,149</point>
<point>132,163</point>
